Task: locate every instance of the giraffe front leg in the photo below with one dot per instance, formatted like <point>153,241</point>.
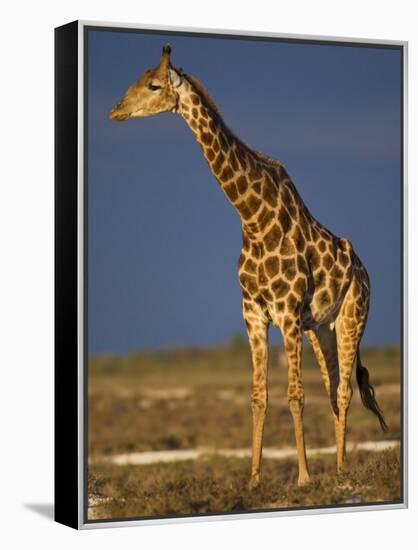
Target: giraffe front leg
<point>257,329</point>
<point>292,337</point>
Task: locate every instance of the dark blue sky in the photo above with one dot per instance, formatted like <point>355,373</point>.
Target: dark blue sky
<point>163,241</point>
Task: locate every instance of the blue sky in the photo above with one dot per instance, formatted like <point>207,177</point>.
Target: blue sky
<point>163,242</point>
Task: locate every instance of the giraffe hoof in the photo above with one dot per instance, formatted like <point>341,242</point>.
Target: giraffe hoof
<point>254,482</point>
<point>341,468</point>
<point>303,479</point>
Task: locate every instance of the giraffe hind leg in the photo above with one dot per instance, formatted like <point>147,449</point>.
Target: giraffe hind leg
<point>324,344</point>
<point>349,327</point>
<point>367,392</point>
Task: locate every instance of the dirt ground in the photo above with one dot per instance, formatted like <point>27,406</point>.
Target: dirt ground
<point>200,398</point>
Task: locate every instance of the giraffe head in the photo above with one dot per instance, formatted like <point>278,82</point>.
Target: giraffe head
<point>155,92</point>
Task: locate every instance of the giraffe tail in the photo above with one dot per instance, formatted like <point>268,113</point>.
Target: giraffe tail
<point>367,392</point>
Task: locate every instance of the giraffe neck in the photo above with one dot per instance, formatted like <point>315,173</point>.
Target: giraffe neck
<point>249,182</point>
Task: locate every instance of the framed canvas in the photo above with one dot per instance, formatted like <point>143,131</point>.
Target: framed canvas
<point>230,274</point>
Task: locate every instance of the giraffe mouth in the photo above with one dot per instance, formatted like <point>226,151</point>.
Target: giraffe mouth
<point>119,114</point>
<point>115,115</point>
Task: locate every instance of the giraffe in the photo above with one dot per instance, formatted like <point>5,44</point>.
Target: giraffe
<point>294,273</point>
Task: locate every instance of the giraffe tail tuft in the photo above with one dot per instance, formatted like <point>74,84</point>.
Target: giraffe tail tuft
<point>367,392</point>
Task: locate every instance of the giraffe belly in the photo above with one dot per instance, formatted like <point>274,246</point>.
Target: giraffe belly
<point>284,285</point>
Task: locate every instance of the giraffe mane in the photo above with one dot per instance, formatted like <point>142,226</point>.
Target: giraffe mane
<point>203,93</point>
<point>197,85</point>
<point>268,160</point>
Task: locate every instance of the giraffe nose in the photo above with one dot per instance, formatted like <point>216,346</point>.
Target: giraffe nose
<point>118,113</point>
<point>113,114</point>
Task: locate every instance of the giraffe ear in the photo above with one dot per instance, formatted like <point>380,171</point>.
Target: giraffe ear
<point>175,79</point>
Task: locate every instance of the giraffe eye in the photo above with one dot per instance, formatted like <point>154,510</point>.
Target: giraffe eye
<point>154,87</point>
